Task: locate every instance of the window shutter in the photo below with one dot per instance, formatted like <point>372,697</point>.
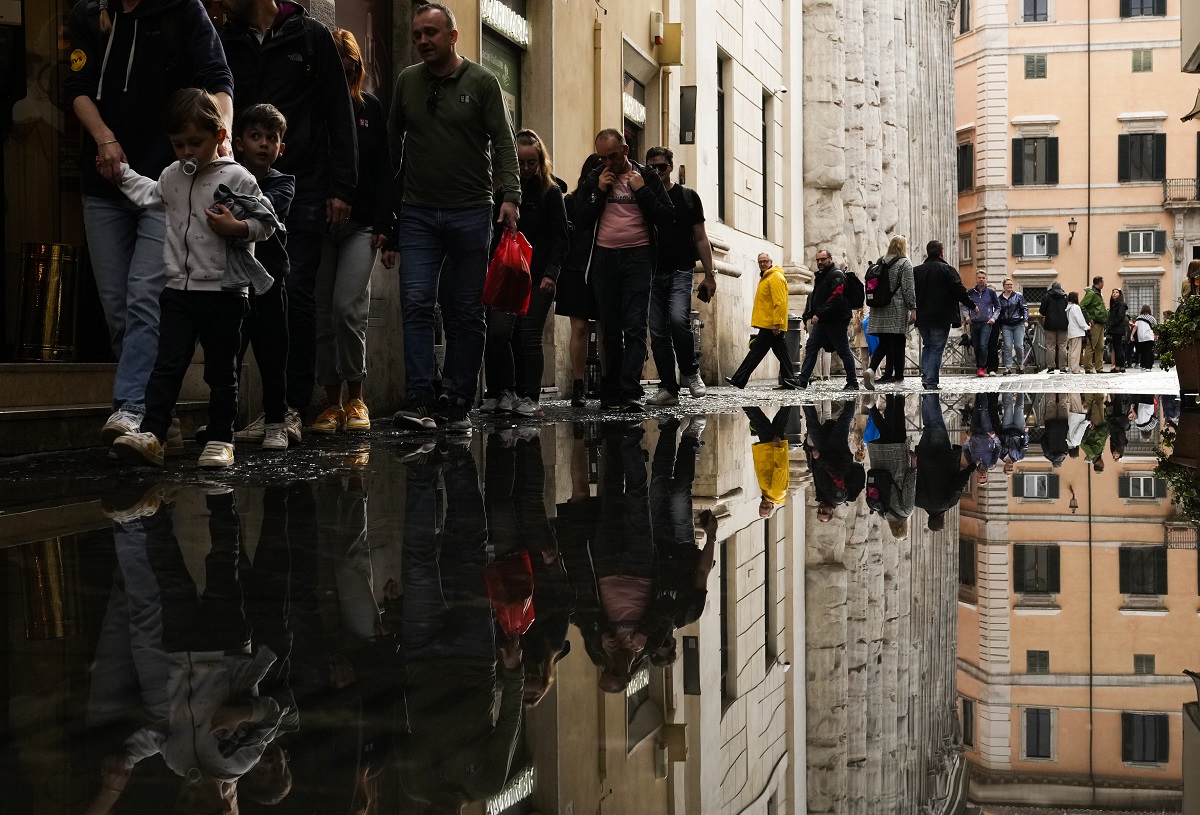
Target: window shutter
<point>1125,565</point>
<point>1126,720</point>
<point>1018,480</point>
<point>1162,733</point>
<point>1018,246</point>
<point>1052,486</point>
<point>1123,157</point>
<point>1043,722</point>
<point>1052,570</point>
<point>1052,244</point>
<point>1018,159</point>
<point>1051,161</point>
<point>1160,488</point>
<point>1123,484</point>
<point>1160,156</point>
<point>1160,241</point>
<point>1018,569</point>
<point>1160,8</point>
<point>1123,243</point>
<point>1160,570</point>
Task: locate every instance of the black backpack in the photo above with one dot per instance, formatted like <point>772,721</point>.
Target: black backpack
<point>878,284</point>
<point>853,291</point>
<point>879,489</point>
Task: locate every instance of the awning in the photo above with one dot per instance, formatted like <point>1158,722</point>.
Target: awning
<point>1195,110</point>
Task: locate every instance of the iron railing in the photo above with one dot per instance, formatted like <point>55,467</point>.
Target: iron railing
<point>1179,190</point>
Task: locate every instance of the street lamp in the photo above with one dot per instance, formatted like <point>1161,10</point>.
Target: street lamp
<point>1072,225</point>
<point>1074,505</point>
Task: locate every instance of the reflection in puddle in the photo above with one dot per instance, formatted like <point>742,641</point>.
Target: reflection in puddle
<point>749,611</point>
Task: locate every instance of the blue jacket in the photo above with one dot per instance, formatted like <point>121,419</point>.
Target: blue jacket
<point>1013,309</point>
<point>986,301</point>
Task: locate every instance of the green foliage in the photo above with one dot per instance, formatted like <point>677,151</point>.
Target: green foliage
<point>1177,330</point>
<point>1184,482</point>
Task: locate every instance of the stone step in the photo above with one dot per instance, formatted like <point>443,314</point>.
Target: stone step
<point>46,428</point>
<point>30,384</point>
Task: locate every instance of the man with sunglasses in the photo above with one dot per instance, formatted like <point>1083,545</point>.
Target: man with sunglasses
<point>449,134</point>
<point>680,246</point>
<point>624,205</point>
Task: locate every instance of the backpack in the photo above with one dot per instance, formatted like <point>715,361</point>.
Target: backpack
<point>879,489</point>
<point>878,285</point>
<point>853,290</point>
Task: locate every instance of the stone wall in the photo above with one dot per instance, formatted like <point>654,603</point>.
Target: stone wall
<point>878,127</point>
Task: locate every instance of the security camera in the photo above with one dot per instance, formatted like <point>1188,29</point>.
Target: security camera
<point>781,90</point>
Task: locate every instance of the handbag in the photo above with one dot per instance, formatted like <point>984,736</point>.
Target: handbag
<point>510,588</point>
<point>508,282</point>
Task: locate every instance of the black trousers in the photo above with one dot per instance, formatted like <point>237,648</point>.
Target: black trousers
<point>515,357</point>
<point>620,280</point>
<point>890,351</point>
<point>215,319</point>
<point>265,329</point>
<point>306,231</point>
<point>765,341</point>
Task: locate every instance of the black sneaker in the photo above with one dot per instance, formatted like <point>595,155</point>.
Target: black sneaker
<point>578,398</point>
<point>633,406</point>
<point>458,418</point>
<point>851,386</point>
<point>415,415</point>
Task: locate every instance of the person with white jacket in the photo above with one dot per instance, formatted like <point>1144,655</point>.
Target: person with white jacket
<point>1077,329</point>
<point>201,300</point>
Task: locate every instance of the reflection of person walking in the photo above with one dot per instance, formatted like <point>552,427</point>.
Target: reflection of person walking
<point>770,455</point>
<point>770,317</point>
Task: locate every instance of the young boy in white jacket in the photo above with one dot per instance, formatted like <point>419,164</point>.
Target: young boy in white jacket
<point>195,305</point>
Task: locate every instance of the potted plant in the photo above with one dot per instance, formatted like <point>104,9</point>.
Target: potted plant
<point>1177,465</point>
<point>1177,343</point>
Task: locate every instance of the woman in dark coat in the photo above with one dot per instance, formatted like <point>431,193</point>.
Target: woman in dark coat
<point>575,298</point>
<point>1117,329</point>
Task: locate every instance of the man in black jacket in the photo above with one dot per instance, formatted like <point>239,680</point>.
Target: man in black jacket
<point>280,55</point>
<point>829,315</point>
<point>939,291</point>
<point>624,205</point>
<point>837,478</point>
<point>942,469</point>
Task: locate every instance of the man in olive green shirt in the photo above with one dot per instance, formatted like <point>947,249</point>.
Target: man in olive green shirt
<point>1096,311</point>
<point>449,134</point>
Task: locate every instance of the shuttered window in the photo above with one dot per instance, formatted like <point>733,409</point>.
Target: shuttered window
<point>1035,569</point>
<point>1037,662</point>
<point>1035,485</point>
<point>966,167</point>
<point>1035,11</point>
<point>1038,733</point>
<point>1035,66</point>
<point>1141,486</point>
<point>1143,570</point>
<point>1142,241</point>
<point>1144,8</point>
<point>1141,157</point>
<point>1035,161</point>
<point>1143,60</point>
<point>1145,737</point>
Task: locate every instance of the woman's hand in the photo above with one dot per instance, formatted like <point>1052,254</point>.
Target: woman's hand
<point>547,284</point>
<point>109,158</point>
<point>229,718</point>
<point>115,771</point>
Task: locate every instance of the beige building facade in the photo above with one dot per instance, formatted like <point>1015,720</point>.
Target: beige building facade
<point>1072,159</point>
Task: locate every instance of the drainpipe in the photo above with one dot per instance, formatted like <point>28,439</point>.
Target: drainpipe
<point>1088,216</point>
<point>597,76</point>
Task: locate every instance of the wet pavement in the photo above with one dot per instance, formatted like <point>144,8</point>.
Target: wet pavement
<point>789,602</point>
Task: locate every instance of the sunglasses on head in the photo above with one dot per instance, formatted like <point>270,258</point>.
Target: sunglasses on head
<point>435,95</point>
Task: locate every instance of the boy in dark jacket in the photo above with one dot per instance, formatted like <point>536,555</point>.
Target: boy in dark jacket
<point>1053,309</point>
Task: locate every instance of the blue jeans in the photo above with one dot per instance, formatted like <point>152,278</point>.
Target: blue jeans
<point>126,247</point>
<point>620,279</point>
<point>816,343</point>
<point>981,335</point>
<point>933,346</point>
<point>672,474</point>
<point>462,239</point>
<point>1013,337</point>
<point>671,326</point>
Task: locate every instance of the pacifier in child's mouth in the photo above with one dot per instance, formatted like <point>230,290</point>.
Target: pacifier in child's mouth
<point>189,166</point>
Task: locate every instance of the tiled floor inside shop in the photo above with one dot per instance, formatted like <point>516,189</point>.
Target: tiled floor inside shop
<point>897,602</point>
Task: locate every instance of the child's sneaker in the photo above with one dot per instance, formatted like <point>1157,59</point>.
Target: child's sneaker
<point>275,437</point>
<point>174,445</point>
<point>358,419</point>
<point>139,448</point>
<point>252,432</point>
<point>217,454</point>
<point>332,420</point>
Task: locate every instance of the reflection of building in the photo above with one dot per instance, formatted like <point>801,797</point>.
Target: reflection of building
<point>1077,604</point>
<point>1107,164</point>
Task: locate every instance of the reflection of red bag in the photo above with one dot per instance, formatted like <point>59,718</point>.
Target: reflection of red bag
<point>508,283</point>
<point>510,587</point>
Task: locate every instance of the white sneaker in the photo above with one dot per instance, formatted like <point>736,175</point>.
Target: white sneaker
<point>291,422</point>
<point>525,406</point>
<point>508,402</point>
<point>119,424</point>
<point>528,433</point>
<point>693,426</point>
<point>174,445</point>
<point>868,379</point>
<point>695,385</point>
<point>217,454</point>
<point>252,432</point>
<point>275,437</point>
<point>663,398</point>
<point>139,448</point>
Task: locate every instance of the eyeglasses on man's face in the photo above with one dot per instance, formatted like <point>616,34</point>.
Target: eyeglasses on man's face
<point>661,168</point>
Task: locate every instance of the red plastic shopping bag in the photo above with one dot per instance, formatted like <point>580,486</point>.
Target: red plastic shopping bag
<point>510,588</point>
<point>508,283</point>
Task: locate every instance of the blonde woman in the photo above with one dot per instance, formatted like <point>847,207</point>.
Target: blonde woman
<point>343,291</point>
<point>890,323</point>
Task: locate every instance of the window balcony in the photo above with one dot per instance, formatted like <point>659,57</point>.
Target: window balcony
<point>1181,193</point>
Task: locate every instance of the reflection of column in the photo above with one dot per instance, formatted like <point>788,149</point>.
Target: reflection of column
<point>48,576</point>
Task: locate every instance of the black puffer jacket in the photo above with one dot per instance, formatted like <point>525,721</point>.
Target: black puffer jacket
<point>1053,309</point>
<point>828,302</point>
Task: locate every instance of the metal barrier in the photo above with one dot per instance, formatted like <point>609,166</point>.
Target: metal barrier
<point>48,299</point>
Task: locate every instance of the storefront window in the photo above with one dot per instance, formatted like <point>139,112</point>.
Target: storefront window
<point>633,106</point>
<point>503,59</point>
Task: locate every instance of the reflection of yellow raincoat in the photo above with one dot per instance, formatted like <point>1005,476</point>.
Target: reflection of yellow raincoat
<point>771,466</point>
<point>771,300</point>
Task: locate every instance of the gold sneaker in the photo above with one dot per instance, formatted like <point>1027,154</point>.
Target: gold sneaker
<point>357,418</point>
<point>332,421</point>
